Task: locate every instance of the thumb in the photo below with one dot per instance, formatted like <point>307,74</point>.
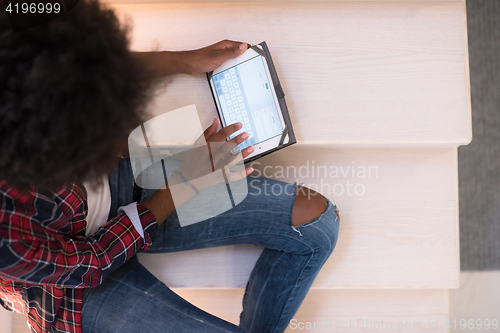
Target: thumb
<point>236,50</point>
<point>212,129</point>
<point>242,48</point>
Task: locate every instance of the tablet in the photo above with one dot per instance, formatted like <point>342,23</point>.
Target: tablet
<point>244,90</point>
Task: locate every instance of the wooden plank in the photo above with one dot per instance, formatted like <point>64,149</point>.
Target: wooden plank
<point>399,224</point>
<point>5,321</point>
<point>19,324</point>
<point>478,298</point>
<point>356,310</point>
<point>355,73</point>
<point>344,310</point>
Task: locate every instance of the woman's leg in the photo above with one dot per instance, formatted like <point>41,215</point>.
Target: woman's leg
<point>297,241</point>
<point>132,300</point>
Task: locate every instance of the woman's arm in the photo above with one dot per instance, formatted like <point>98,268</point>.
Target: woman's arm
<point>194,62</point>
<point>161,203</point>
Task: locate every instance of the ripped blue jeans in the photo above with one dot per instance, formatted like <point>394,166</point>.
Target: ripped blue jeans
<point>131,299</point>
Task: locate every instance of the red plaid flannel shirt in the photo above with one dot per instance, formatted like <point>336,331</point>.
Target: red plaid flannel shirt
<point>46,260</point>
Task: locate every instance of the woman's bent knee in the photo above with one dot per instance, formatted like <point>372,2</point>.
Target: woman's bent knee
<point>308,205</point>
<point>316,220</point>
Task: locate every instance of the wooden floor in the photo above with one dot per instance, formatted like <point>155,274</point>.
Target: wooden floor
<point>333,310</point>
<point>398,221</point>
<point>354,73</point>
<point>344,310</point>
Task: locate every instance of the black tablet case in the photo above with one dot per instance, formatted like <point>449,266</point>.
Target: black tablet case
<point>280,94</point>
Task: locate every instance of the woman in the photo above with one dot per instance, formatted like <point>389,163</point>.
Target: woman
<point>70,92</point>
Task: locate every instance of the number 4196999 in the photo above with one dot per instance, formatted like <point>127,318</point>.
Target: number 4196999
<point>33,8</point>
<point>477,324</point>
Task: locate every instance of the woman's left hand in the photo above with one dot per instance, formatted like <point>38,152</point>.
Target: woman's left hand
<point>209,58</point>
<point>194,62</point>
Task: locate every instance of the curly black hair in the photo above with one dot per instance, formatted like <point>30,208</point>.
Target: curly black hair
<point>70,92</point>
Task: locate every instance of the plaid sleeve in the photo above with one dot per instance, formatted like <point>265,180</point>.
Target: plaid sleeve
<point>39,244</point>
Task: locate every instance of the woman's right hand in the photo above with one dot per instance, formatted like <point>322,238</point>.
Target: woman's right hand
<point>199,162</point>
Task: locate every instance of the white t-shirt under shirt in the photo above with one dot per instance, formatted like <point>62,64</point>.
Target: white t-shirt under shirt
<point>99,205</point>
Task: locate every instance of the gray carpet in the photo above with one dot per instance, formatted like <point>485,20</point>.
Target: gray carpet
<point>479,163</point>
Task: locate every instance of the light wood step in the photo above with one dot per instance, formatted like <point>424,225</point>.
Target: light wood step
<point>354,73</point>
<point>344,310</point>
<point>5,321</point>
<point>336,310</point>
<point>401,232</point>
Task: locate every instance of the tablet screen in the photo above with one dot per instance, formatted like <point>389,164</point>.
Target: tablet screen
<point>245,96</point>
